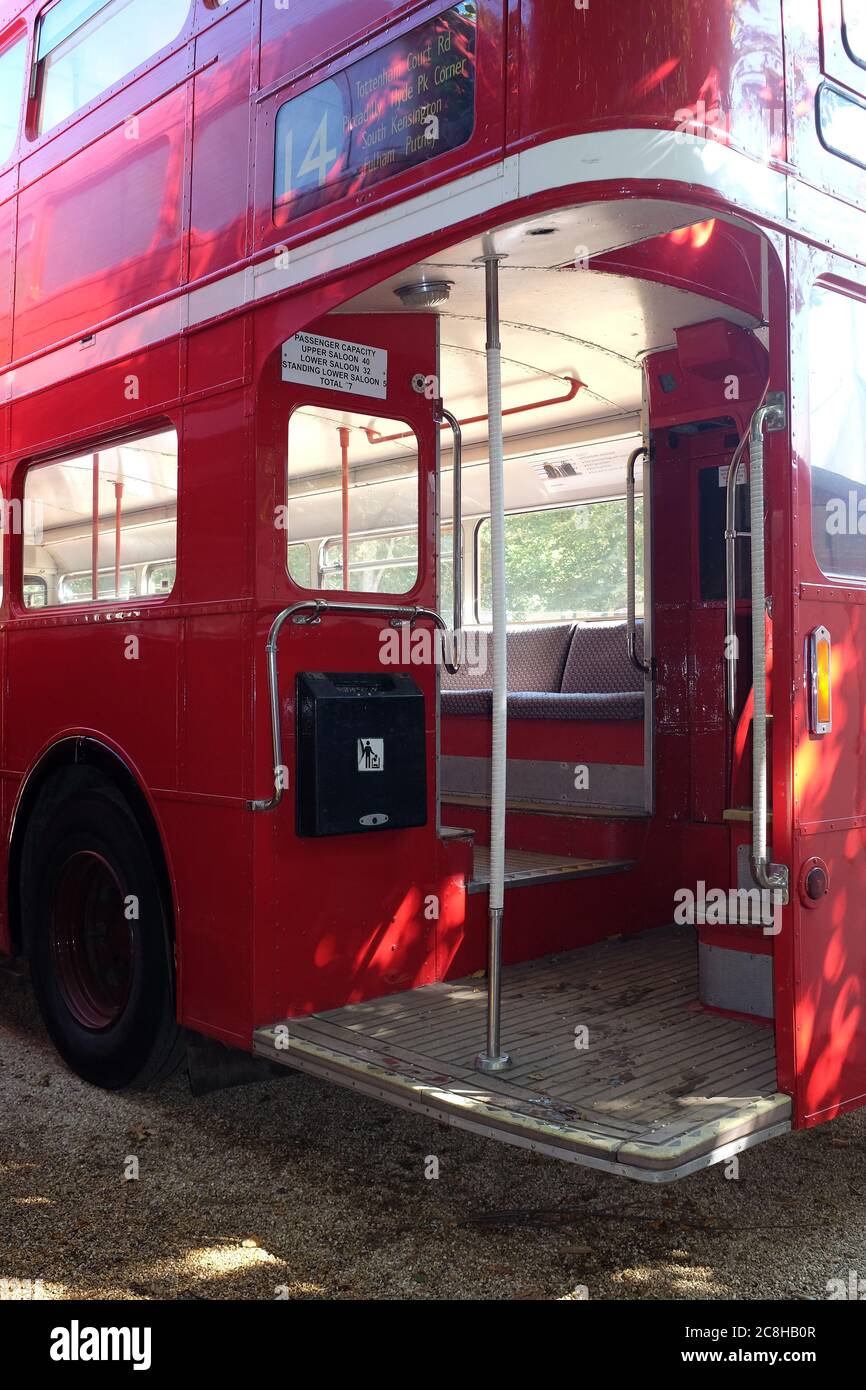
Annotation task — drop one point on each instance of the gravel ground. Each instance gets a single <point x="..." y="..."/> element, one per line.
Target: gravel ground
<point x="306" y="1189"/>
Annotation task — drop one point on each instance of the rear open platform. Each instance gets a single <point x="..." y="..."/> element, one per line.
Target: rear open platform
<point x="662" y="1089"/>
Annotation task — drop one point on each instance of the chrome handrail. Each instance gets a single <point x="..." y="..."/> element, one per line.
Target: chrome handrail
<point x="771" y="416"/>
<point x="640" y="664"/>
<point x="443" y="416"/>
<point x="732" y="535"/>
<point x="315" y="608"/>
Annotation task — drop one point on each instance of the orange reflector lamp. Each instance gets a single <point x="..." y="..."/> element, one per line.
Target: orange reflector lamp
<point x="820" y="674"/>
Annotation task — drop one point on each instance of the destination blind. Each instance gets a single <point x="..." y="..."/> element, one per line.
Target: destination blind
<point x="391" y="110"/>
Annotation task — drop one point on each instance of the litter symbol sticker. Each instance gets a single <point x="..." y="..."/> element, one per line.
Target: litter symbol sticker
<point x="335" y="365"/>
<point x="371" y="754"/>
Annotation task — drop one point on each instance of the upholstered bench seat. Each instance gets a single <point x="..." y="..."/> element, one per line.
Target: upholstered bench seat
<point x="563" y="671"/>
<point x="551" y="704"/>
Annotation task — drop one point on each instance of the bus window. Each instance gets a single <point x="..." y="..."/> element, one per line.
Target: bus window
<point x="377" y="459"/>
<point x="35" y="591"/>
<point x="117" y="547"/>
<point x="446" y="573"/>
<point x="381" y="564"/>
<point x="854" y="29"/>
<point x="300" y="564"/>
<point x="562" y="563"/>
<point x="160" y="578"/>
<point x="837" y="428"/>
<point x="842" y="124"/>
<point x="77" y="588"/>
<point x="12" y="60"/>
<point x="85" y="46"/>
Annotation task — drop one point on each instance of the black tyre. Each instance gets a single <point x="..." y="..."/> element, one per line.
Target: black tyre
<point x="96" y="936"/>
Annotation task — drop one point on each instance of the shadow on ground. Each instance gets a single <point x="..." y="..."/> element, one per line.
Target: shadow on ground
<point x="294" y="1188"/>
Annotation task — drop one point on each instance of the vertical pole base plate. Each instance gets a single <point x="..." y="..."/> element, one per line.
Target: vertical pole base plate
<point x="484" y="1062"/>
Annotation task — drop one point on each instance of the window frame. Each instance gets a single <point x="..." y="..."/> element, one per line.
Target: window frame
<point x="93" y="8"/>
<point x="150" y="565"/>
<point x="850" y="48"/>
<point x="31" y="123"/>
<point x="311" y="564"/>
<point x="72" y="450"/>
<point x="356" y="595"/>
<point x="81" y="574"/>
<point x="34" y="579"/>
<point x="17" y="32"/>
<point x="829" y="86"/>
<point x="824" y="282"/>
<point x="384" y="532"/>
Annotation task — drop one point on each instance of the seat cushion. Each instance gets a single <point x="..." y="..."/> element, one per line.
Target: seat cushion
<point x="467" y="702"/>
<point x="475" y="670"/>
<point x="598" y="660"/>
<point x="536" y="658"/>
<point x="547" y="704"/>
<point x="617" y="704"/>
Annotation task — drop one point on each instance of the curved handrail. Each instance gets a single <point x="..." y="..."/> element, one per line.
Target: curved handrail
<point x="316" y="607"/>
<point x="771" y="416"/>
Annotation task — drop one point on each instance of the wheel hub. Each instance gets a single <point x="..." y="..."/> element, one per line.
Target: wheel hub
<point x="92" y="940"/>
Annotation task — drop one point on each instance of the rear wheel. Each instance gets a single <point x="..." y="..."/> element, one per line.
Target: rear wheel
<point x="99" y="951"/>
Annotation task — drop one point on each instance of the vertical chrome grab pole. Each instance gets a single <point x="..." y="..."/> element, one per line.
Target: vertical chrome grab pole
<point x="443" y="416"/>
<point x="732" y="535"/>
<point x="767" y="875"/>
<point x="493" y="1059"/>
<point x="645" y="667"/>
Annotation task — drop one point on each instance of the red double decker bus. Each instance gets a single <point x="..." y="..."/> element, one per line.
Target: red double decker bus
<point x="433" y="482"/>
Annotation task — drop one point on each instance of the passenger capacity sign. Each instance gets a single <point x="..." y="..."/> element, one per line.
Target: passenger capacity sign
<point x="386" y="113"/>
<point x="333" y="365"/>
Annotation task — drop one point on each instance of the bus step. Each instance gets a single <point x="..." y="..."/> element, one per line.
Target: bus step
<point x="524" y="868"/>
<point x="456" y="832"/>
<point x="664" y="1089"/>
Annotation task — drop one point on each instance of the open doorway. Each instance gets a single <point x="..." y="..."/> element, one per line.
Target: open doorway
<point x="636" y="351"/>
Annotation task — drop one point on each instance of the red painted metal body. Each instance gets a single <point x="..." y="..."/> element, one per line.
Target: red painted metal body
<point x="138" y="240"/>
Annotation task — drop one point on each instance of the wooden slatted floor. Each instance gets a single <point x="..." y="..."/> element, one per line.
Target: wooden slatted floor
<point x="661" y="1088"/>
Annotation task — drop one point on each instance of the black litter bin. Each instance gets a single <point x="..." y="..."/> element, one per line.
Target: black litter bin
<point x="361" y="755"/>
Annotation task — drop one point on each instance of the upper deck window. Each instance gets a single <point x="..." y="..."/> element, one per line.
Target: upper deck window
<point x="12" y="60"/>
<point x="842" y="124"/>
<point x="837" y="431"/>
<point x="85" y="46"/>
<point x="854" y="29"/>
